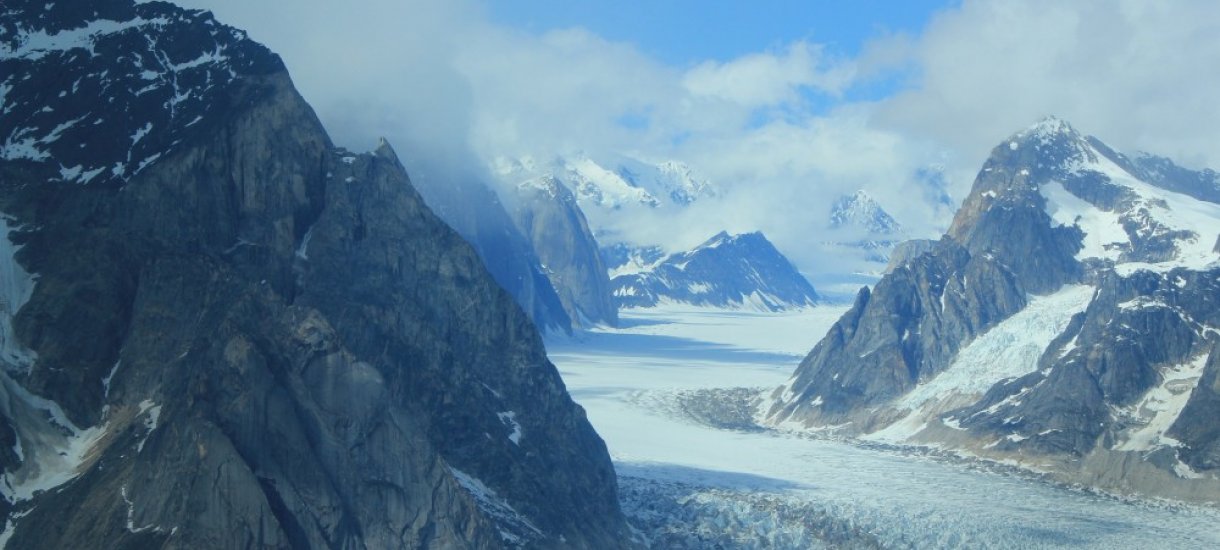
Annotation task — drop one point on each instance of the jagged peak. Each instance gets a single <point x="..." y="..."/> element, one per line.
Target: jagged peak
<point x="1050" y="126"/>
<point x="1048" y="130"/>
<point x="717" y="239"/>
<point x="861" y="210"/>
<point x="724" y="237"/>
<point x="385" y="150"/>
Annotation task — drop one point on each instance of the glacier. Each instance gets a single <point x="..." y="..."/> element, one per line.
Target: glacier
<point x="688" y="482"/>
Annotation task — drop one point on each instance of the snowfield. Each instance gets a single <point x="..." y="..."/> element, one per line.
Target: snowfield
<point x="672" y="394"/>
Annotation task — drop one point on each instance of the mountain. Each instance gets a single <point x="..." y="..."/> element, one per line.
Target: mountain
<point x="732" y="271"/>
<point x="859" y="226"/>
<point x="547" y="214"/>
<point x="221" y="331"/>
<point x="624" y="259"/>
<point x="860" y="210"/>
<point x="1068" y="322"/>
<point x="615" y="181"/>
<point x="476" y="212"/>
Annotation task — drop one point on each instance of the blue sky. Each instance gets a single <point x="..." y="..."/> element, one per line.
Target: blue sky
<point x="685" y="32"/>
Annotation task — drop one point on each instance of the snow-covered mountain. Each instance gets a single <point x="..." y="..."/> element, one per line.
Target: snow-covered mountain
<point x="730" y="271"/>
<point x="1068" y="321"/>
<point x="860" y="210"/>
<point x="616" y="181"/>
<point x="861" y="228"/>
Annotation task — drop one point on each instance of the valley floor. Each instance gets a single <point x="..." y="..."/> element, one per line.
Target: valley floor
<point x="670" y="392"/>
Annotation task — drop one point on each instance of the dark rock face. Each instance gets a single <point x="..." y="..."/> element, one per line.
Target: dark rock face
<point x="725" y="271"/>
<point x="1196" y="426"/>
<point x="474" y="210"/>
<point x="905" y="252"/>
<point x="547" y="214"/>
<point x="1005" y="215"/>
<point x="1111" y="357"/>
<point x="258" y="340"/>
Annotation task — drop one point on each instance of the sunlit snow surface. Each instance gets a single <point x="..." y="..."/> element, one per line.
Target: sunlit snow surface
<point x="754" y="488"/>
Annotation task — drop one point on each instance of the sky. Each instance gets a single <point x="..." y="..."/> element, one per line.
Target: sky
<point x="784" y="105"/>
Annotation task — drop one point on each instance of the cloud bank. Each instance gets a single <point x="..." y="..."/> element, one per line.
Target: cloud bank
<point x="783" y="130"/>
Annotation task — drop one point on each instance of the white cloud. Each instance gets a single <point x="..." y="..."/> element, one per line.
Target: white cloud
<point x="768" y="79"/>
<point x="446" y="85"/>
<point x="1140" y="75"/>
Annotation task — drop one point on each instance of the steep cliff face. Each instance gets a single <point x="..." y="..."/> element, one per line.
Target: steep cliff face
<point x="476" y="212"/>
<point x="547" y="214"/>
<point x="1065" y="321"/>
<point x="253" y="338"/>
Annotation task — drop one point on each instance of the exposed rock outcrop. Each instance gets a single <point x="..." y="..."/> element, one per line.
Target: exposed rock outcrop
<point x="547" y="214"/>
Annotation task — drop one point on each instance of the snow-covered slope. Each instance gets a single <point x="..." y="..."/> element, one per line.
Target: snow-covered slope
<point x="1127" y="221"/>
<point x="731" y="271"/>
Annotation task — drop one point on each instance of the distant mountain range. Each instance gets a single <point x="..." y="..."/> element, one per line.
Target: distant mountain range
<point x="1069" y="321"/>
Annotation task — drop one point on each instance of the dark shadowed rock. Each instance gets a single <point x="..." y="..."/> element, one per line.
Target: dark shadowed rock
<point x="905" y="252"/>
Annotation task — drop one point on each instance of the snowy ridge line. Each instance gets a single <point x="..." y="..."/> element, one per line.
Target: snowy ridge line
<point x="34" y="44"/>
<point x="1146" y="211"/>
